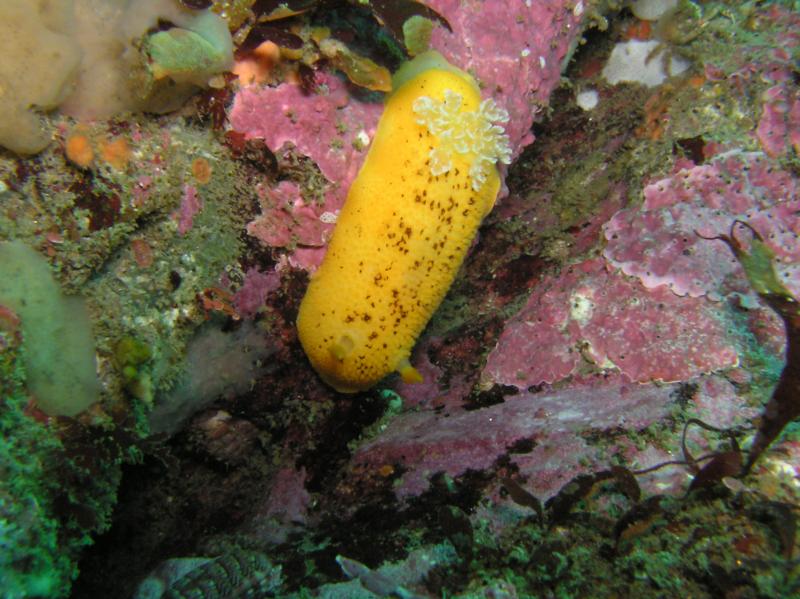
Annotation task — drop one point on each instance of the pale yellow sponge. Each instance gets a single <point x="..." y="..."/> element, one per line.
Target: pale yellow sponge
<point x="428" y="180"/>
<point x="38" y="66"/>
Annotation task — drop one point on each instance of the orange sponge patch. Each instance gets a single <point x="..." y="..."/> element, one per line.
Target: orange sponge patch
<point x="79" y="150"/>
<point x="116" y="152"/>
<point x="201" y="170"/>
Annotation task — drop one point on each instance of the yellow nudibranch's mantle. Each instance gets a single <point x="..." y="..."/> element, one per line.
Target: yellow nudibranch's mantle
<point x="427" y="181"/>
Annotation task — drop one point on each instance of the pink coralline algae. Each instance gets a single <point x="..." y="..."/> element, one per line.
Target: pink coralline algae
<point x="329" y="127"/>
<point x="324" y="125"/>
<point x="285" y="506"/>
<point x="191" y="204"/>
<point x="421" y="444"/>
<point x="666" y="241"/>
<point x="250" y="297"/>
<point x="589" y="316"/>
<point x="716" y="403"/>
<point x="515" y="49"/>
<point x="555" y="425"/>
<point x="527" y="43"/>
<point x="286" y="220"/>
<point x="779" y="127"/>
<point x="288" y="499"/>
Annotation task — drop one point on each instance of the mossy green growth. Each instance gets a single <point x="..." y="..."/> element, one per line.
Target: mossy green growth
<point x="417" y="34"/>
<point x="131" y="357"/>
<point x="59" y="346"/>
<point x="32" y="561"/>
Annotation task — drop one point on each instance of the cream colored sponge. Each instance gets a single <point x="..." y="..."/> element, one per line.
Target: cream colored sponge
<point x="94" y="59"/>
<point x="38" y="66"/>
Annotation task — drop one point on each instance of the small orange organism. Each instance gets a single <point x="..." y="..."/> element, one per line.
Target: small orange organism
<point x="201" y="170"/>
<point x="79" y="150"/>
<point x="214" y="299"/>
<point x="386" y="470"/>
<point x="142" y="253"/>
<point x="116" y="152"/>
<point x="639" y="30"/>
<point x="258" y="66"/>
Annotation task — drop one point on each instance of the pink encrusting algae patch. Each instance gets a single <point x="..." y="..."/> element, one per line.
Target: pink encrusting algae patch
<point x="591" y="316"/>
<point x="667" y="240"/>
<point x="191" y="205"/>
<point x="779" y="126"/>
<point x="328" y="126"/>
<point x="528" y="43"/>
<point x="287" y="220"/>
<point x="455" y="441"/>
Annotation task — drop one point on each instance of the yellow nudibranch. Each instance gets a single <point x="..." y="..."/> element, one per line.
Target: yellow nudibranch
<point x="410" y="216"/>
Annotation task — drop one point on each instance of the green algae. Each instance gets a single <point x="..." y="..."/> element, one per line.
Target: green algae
<point x="689" y="547"/>
<point x="60" y="359"/>
<point x="194" y="54"/>
<point x="32" y="563"/>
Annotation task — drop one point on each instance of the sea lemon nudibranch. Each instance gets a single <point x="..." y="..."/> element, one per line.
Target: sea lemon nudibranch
<point x="410" y="216"/>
